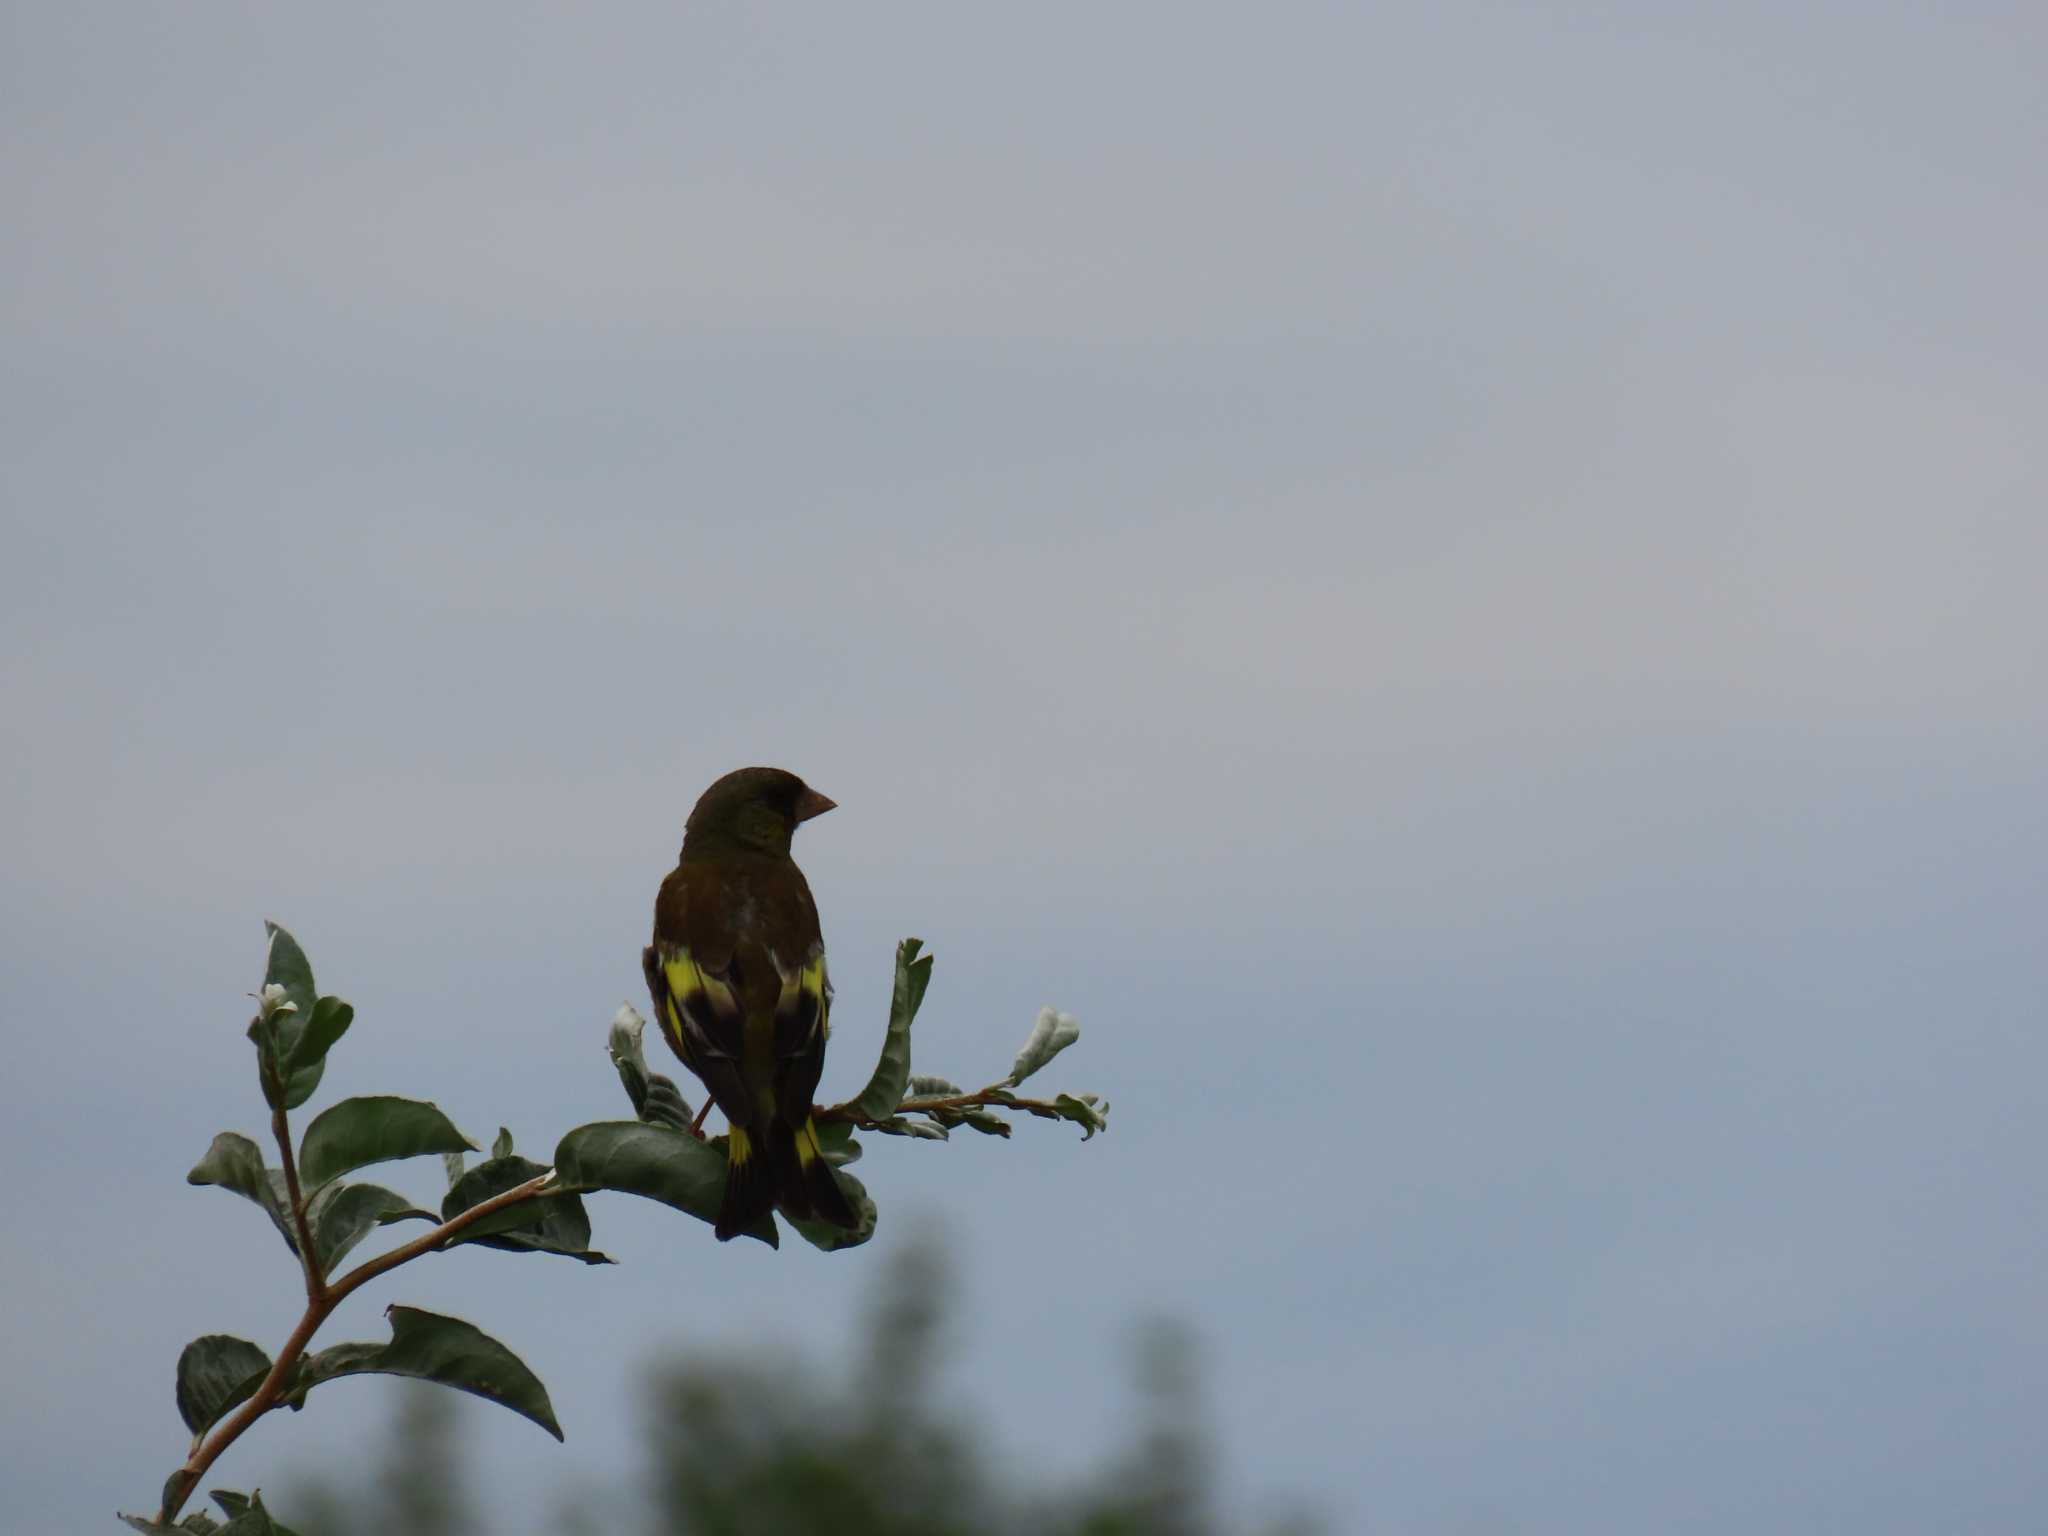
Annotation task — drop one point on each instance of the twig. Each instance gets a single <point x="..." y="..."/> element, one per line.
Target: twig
<point x="264" y="1030"/>
<point x="319" y="1306"/>
<point x="996" y="1097"/>
<point x="316" y="1283"/>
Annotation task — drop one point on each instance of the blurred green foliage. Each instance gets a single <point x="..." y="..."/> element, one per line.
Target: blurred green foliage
<point x="755" y="1441"/>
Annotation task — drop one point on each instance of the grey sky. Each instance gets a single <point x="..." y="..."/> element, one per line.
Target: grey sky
<point x="1462" y="583"/>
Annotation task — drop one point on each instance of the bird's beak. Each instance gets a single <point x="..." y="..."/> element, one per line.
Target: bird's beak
<point x="810" y="803"/>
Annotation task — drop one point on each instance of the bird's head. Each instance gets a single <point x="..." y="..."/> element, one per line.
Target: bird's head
<point x="753" y="808"/>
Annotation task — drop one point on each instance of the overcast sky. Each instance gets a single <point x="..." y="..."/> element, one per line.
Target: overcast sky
<point x="1463" y="583"/>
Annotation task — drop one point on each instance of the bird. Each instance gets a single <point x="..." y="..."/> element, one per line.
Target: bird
<point x="737" y="975"/>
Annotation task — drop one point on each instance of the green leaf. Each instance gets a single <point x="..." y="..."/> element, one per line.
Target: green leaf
<point x="551" y="1223"/>
<point x="298" y="1088"/>
<point x="822" y="1234"/>
<point x="892" y="1073"/>
<point x="443" y="1349"/>
<point x="1086" y="1111"/>
<point x="146" y="1523"/>
<point x="330" y="1021"/>
<point x="655" y="1098"/>
<point x="975" y="1119"/>
<point x="199" y="1523"/>
<point x="217" y="1373"/>
<point x="376" y="1128"/>
<point x="247" y="1516"/>
<point x="176" y="1487"/>
<point x="502" y="1147"/>
<point x="1023" y="1106"/>
<point x="921" y="1130"/>
<point x="665" y="1105"/>
<point x="235" y="1162"/>
<point x="452" y="1162"/>
<point x="835" y="1137"/>
<point x="628" y="1055"/>
<point x="925" y="1087"/>
<point x="288" y="967"/>
<point x="238" y="1506"/>
<point x="1052" y="1033"/>
<point x="342" y="1215"/>
<point x="653" y="1161"/>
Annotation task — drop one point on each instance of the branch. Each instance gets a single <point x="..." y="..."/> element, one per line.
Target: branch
<point x="318" y="1308"/>
<point x="996" y="1096"/>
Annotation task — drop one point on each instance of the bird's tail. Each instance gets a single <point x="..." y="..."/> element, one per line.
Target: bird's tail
<point x="804" y="1183"/>
<point x="780" y="1167"/>
<point x="749" y="1185"/>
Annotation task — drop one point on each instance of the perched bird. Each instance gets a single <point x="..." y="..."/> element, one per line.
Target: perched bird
<point x="737" y="974"/>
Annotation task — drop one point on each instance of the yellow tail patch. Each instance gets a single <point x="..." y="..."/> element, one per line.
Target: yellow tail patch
<point x="808" y="1148"/>
<point x="738" y="1148"/>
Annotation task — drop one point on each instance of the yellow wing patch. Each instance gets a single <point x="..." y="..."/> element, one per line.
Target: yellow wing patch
<point x="810" y="981"/>
<point x="687" y="982"/>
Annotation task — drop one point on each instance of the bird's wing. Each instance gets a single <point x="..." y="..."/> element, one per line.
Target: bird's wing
<point x="802" y="1013"/>
<point x="698" y="997"/>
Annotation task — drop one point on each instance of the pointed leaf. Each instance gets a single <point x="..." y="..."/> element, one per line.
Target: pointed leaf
<point x="892" y="1072"/>
<point x="246" y="1515"/>
<point x="921" y="1130"/>
<point x="822" y="1234"/>
<point x="1053" y="1033"/>
<point x="452" y="1162"/>
<point x="330" y="1021"/>
<point x="502" y="1146"/>
<point x="551" y="1223"/>
<point x="925" y="1087"/>
<point x="235" y="1162"/>
<point x="975" y="1119"/>
<point x="238" y="1506"/>
<point x="665" y="1104"/>
<point x="377" y="1128"/>
<point x="444" y="1349"/>
<point x="671" y="1166"/>
<point x="176" y="1487"/>
<point x="628" y="1054"/>
<point x="655" y="1098"/>
<point x="835" y="1137"/>
<point x="298" y="1088"/>
<point x="198" y="1523"/>
<point x="342" y="1215"/>
<point x="287" y="967"/>
<point x="1085" y="1110"/>
<point x="215" y="1374"/>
